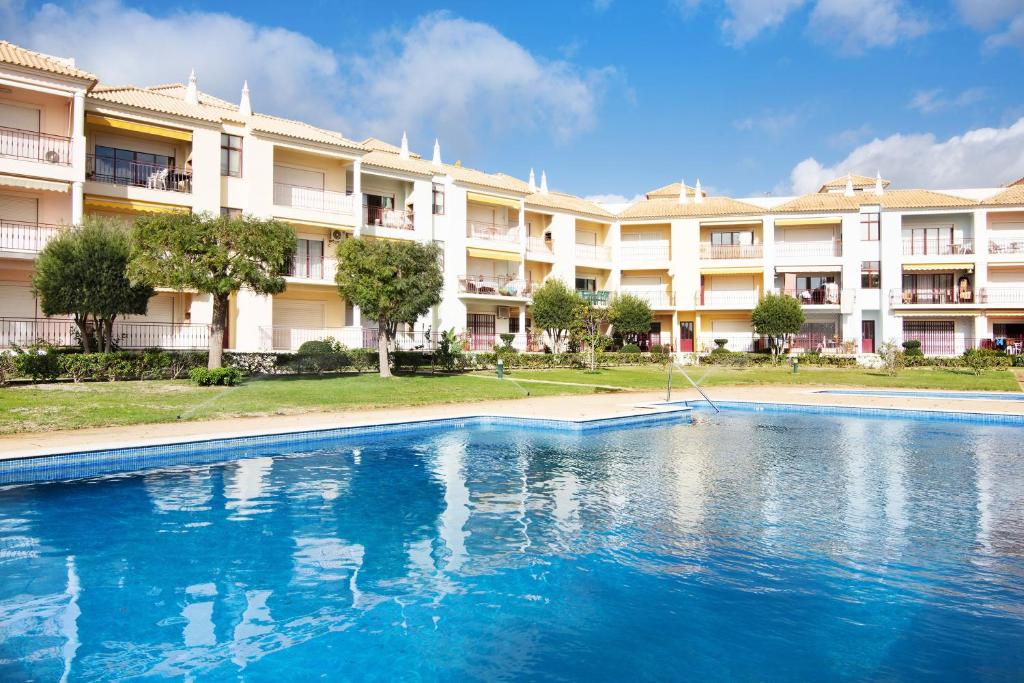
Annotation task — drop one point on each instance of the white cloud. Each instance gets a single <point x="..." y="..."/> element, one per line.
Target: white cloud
<point x="613" y="198"/>
<point x="852" y="26"/>
<point x="1013" y="36"/>
<point x="601" y="5"/>
<point x="985" y="15"/>
<point x="979" y="157"/>
<point x="444" y="76"/>
<point x="749" y="18"/>
<point x="851" y="136"/>
<point x="929" y="101"/>
<point x="769" y="122"/>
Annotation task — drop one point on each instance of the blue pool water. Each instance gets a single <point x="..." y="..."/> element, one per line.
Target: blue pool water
<point x="969" y="395"/>
<point x="756" y="546"/>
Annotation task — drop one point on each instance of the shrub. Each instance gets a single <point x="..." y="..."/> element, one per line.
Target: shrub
<point x="980" y="360"/>
<point x="507" y="339"/>
<point x="1018" y="361"/>
<point x="893" y="358"/>
<point x="658" y="348"/>
<point x="40" y="361"/>
<point x="720" y="343"/>
<point x="316" y="346"/>
<point x="8" y="367"/>
<point x="449" y="355"/>
<point x="912" y="348"/>
<point x="630" y="348"/>
<point x="205" y="377"/>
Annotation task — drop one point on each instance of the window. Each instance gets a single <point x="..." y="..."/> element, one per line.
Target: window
<point x="127" y="167"/>
<point x="309" y="259"/>
<point x="869" y="227"/>
<point x="228" y="212"/>
<point x="732" y="238"/>
<point x="586" y="284"/>
<point x="870" y="277"/>
<point x="231" y="155"/>
<point x="930" y="241"/>
<point x="438" y="200"/>
<point x="513" y="324"/>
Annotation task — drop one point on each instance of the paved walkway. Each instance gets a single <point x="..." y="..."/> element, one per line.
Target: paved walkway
<point x="554" y="407"/>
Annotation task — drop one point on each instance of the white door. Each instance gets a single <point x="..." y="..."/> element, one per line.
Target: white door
<point x="296" y="322"/>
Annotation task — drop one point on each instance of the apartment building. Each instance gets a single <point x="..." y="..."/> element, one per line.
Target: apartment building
<point x="869" y="262"/>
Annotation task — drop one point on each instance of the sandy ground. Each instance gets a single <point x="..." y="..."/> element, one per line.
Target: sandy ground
<point x="557" y="407"/>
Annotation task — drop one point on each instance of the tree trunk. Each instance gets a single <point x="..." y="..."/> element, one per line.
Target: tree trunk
<point x="383" y="342"/>
<point x="83" y="333"/>
<point x="220" y="316"/>
<point x="108" y="334"/>
<point x="97" y="326"/>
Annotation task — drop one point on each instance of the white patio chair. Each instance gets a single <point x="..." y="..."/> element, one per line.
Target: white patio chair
<point x="158" y="180"/>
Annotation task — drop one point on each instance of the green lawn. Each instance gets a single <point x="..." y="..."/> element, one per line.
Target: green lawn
<point x="912" y="378"/>
<point x="71" y="406"/>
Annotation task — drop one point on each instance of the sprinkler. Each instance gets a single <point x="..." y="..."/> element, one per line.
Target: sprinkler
<point x="795" y="364"/>
<point x="499" y="369"/>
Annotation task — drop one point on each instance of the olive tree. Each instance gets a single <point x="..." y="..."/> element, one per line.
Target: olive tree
<point x="392" y="282"/>
<point x="215" y="255"/>
<point x="553" y="308"/>
<point x="629" y="316"/>
<point x="586" y="329"/>
<point x="775" y="317"/>
<point x="83" y="272"/>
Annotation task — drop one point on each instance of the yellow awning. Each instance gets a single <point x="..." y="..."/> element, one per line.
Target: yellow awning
<point x="1006" y="264"/>
<point x="494" y="254"/>
<point x="33" y="184"/>
<point x="937" y="266"/>
<point x="136" y="127"/>
<point x="730" y="221"/>
<point x="735" y="270"/>
<point x="831" y="220"/>
<point x="130" y="205"/>
<point x="492" y="199"/>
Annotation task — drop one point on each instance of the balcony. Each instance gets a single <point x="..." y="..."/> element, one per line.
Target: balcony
<point x="398" y="219"/>
<point x="930" y="297"/>
<point x="313" y="199"/>
<point x="938" y="247"/>
<point x="313" y="268"/>
<point x="728" y="299"/>
<point x="644" y="252"/>
<point x="730" y="251"/>
<point x="598" y="298"/>
<point x="138" y="174"/>
<point x="1001" y="296"/>
<point x="28" y="145"/>
<point x="808" y="249"/>
<point x="591" y="252"/>
<point x="540" y="246"/>
<point x="26" y="237"/>
<point x="284" y="338"/>
<point x="127" y="334"/>
<point x="655" y="298"/>
<point x="495" y="285"/>
<point x="820" y="296"/>
<point x="495" y="232"/>
<point x="1006" y="245"/>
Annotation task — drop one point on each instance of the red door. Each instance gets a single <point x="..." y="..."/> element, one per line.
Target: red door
<point x="686" y="337"/>
<point x="867" y="336"/>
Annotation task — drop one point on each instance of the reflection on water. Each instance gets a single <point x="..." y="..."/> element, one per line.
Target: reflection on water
<point x="764" y="546"/>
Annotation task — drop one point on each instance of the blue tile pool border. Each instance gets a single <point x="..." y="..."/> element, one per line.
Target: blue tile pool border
<point x="79" y="464"/>
<point x="924" y="393"/>
<point x="862" y="411"/>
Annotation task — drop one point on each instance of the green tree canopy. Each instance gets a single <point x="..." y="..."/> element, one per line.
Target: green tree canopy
<point x="776" y="316"/>
<point x="586" y="329"/>
<point x="629" y="315"/>
<point x="216" y="255"/>
<point x="83" y="273"/>
<point x="553" y="308"/>
<point x="392" y="282"/>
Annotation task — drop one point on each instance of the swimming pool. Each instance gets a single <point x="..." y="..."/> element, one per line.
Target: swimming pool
<point x="968" y="395"/>
<point x="754" y="545"/>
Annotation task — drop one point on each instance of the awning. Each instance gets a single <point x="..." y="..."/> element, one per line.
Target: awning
<point x="1006" y="264"/>
<point x="937" y="266"/>
<point x="33" y="184"/>
<point x="494" y="254"/>
<point x="1006" y="314"/>
<point x="809" y="269"/>
<point x="831" y="220"/>
<point x="136" y="127"/>
<point x="492" y="199"/>
<point x="130" y="205"/>
<point x="735" y="270"/>
<point x="733" y="221"/>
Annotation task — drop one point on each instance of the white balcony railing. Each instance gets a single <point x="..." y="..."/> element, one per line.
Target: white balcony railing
<point x="539" y="245"/>
<point x="938" y="247"/>
<point x="1002" y="296"/>
<point x="639" y="251"/>
<point x="399" y="219"/>
<point x="316" y="268"/>
<point x="808" y="249"/>
<point x="1006" y="245"/>
<point x="730" y="251"/>
<point x="656" y="298"/>
<point x="591" y="252"/>
<point x="498" y="232"/>
<point x="126" y="334"/>
<point x="297" y="197"/>
<point x="728" y="299"/>
<point x="26" y="237"/>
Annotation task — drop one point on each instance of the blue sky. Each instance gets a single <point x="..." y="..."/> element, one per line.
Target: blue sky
<point x="610" y="97"/>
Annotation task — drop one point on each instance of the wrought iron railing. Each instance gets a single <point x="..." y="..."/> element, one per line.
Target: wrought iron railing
<point x="28" y="145"/>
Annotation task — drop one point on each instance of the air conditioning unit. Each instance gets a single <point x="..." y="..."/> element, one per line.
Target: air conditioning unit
<point x="503" y="312"/>
<point x="337" y="235"/>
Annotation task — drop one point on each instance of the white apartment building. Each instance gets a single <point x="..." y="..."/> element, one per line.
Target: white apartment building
<point x="870" y="262"/>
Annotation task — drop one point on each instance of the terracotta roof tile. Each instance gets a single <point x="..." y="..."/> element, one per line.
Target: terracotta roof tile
<point x="19" y="56"/>
<point x="141" y="98"/>
<point x="671" y="208"/>
<point x="567" y="202"/>
<point x="859" y="181"/>
<point x="671" y="191"/>
<point x="1012" y="195"/>
<point x="394" y="162"/>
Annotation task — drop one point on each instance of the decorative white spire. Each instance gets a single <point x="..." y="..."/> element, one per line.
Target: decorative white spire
<point x="682" y="190"/>
<point x="698" y="194"/>
<point x="532" y="182"/>
<point x="404" y="154"/>
<point x="849" y="185"/>
<point x="878" y="183"/>
<point x="543" y="182"/>
<point x="437" y="153"/>
<point x="191" y="92"/>
<point x="244" y="105"/>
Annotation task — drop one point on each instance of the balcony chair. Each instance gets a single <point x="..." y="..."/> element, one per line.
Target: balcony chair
<point x="158" y="180"/>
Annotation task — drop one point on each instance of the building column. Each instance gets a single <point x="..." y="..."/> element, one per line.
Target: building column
<point x="357" y="317"/>
<point x="521" y="338"/>
<point x="522" y="242"/>
<point x="357" y="195"/>
<point x="78" y="157"/>
<point x="77" y="202"/>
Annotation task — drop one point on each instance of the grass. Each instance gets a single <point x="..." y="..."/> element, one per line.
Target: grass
<point x="50" y="407"/>
<point x="956" y="379"/>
